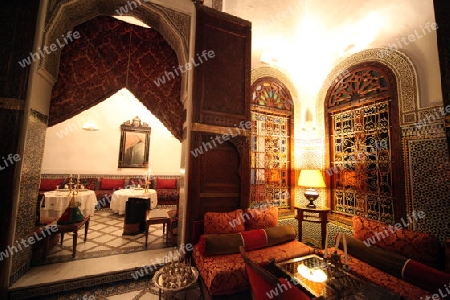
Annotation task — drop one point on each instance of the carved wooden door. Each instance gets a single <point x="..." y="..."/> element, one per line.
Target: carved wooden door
<point x="219" y="159"/>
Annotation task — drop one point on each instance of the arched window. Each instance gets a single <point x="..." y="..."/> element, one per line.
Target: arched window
<point x="366" y="168"/>
<point x="271" y="111"/>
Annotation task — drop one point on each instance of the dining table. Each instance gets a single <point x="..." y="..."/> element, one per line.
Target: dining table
<point x="120" y="197"/>
<point x="55" y="202"/>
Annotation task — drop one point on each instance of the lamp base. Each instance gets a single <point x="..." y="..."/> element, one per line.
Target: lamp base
<point x="311" y="204"/>
<point x="311" y="195"/>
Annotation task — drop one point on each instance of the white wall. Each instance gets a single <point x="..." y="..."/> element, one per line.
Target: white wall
<point x="70" y="149"/>
<point x="306" y="39"/>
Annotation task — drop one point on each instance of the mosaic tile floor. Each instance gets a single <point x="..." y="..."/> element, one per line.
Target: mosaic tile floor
<point x="107" y="255"/>
<point x="104" y="238"/>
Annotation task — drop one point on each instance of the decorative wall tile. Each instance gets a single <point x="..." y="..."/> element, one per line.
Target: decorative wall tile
<point x="29" y="186"/>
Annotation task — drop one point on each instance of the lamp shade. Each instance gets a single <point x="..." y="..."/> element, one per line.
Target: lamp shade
<point x="311" y="179"/>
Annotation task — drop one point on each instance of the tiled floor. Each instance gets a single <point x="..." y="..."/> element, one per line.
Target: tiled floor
<point x="104" y="238"/>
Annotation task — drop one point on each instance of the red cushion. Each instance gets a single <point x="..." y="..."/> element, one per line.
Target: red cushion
<point x="50" y="184"/>
<point x="226" y="222"/>
<point x="112" y="184"/>
<point x="254" y="239"/>
<point x="420" y="246"/>
<point x="260" y="218"/>
<point x="259" y="286"/>
<point x="424" y="276"/>
<point x="229" y="243"/>
<point x="201" y="245"/>
<point x="166" y="183"/>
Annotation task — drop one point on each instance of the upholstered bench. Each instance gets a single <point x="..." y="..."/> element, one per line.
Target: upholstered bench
<point x="217" y="256"/>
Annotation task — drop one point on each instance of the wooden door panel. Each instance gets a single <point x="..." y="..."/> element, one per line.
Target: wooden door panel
<point x="219" y="176"/>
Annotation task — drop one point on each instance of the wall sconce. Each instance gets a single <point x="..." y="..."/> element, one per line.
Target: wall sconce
<point x="311" y="179"/>
<point x="90" y="126"/>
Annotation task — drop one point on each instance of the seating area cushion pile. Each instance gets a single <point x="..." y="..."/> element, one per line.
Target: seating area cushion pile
<point x="167" y="186"/>
<point x="398" y="260"/>
<point x="225" y="274"/>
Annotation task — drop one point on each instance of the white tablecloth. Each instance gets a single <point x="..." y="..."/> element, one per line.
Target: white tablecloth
<point x="120" y="197"/>
<point x="56" y="203"/>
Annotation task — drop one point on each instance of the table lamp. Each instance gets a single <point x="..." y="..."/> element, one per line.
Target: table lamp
<point x="311" y="179"/>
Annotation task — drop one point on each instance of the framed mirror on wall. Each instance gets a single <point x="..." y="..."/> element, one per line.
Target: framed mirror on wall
<point x="134" y="144"/>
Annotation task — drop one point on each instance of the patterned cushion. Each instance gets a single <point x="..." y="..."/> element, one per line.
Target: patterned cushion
<point x="387" y="261"/>
<point x="365" y="271"/>
<point x="231" y="222"/>
<point x="260" y="218"/>
<point x="168" y="197"/>
<point x="412" y="244"/>
<point x="89" y="183"/>
<point x="225" y="274"/>
<point x="138" y="181"/>
<point x="220" y="244"/>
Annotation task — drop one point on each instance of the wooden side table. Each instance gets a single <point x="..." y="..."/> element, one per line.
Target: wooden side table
<point x="322" y="218"/>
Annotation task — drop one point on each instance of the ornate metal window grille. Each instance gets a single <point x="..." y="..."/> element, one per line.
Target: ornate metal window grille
<point x="271" y="144"/>
<point x="361" y="160"/>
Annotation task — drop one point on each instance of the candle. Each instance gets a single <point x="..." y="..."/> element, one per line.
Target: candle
<point x="344" y="241"/>
<point x="337" y="241"/>
<point x="325" y="253"/>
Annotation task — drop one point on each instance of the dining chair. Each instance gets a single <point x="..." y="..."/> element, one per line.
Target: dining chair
<point x="135" y="214"/>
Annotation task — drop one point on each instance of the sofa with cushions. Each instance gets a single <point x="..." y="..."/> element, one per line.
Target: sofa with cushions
<point x="167" y="186"/>
<point x="408" y="263"/>
<point x="217" y="255"/>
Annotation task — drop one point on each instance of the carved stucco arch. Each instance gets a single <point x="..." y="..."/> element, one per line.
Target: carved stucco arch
<point x="271" y="72"/>
<point x="405" y="75"/>
<point x="173" y="25"/>
<point x="407" y="92"/>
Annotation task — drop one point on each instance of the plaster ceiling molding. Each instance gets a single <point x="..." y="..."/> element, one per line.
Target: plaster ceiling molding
<point x="63" y="16"/>
<point x="406" y="81"/>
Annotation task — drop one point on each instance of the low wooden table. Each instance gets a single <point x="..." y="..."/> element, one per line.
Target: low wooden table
<point x="157" y="216"/>
<point x="74" y="227"/>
